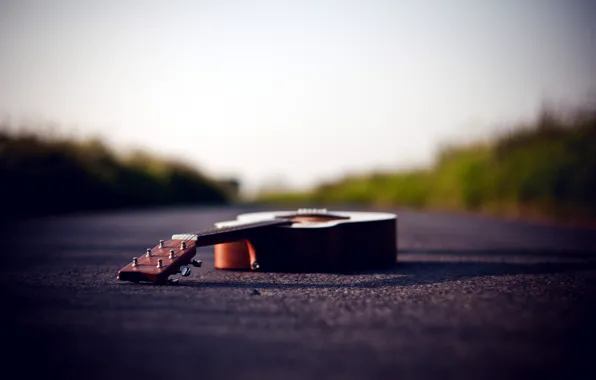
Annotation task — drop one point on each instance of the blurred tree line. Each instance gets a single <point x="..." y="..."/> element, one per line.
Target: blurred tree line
<point x="41" y="176"/>
<point x="544" y="169"/>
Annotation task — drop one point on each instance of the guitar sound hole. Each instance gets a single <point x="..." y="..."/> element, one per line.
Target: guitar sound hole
<point x="312" y="219"/>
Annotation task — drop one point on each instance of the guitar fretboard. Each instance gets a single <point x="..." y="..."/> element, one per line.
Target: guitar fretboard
<point x="224" y="234"/>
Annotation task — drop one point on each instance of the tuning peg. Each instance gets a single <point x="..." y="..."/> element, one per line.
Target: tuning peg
<point x="184" y="271"/>
<point x="148" y="250"/>
<point x="172" y="254"/>
<point x="159" y="263"/>
<point x="135" y="262"/>
<point x="183" y="245"/>
<point x="254" y="265"/>
<point x="161" y="244"/>
<point x="196" y="262"/>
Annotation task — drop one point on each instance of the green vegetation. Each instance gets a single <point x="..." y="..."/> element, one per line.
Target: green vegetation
<point x="546" y="169"/>
<point x="52" y="175"/>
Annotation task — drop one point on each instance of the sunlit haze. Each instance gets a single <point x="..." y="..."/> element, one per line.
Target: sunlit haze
<point x="295" y="92"/>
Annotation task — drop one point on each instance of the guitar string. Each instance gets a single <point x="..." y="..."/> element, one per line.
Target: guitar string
<point x="281" y="220"/>
<point x="264" y="223"/>
<point x="272" y="222"/>
<point x="207" y="232"/>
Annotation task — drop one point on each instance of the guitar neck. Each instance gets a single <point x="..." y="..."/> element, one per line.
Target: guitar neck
<point x="170" y="257"/>
<point x="229" y="234"/>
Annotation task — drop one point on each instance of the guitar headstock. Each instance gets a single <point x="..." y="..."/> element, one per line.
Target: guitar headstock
<point x="158" y="263"/>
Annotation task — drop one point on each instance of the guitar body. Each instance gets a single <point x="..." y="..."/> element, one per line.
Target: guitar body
<point x="309" y="240"/>
<point x="363" y="241"/>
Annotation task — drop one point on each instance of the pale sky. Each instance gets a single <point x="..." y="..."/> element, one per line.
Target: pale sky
<point x="300" y="91"/>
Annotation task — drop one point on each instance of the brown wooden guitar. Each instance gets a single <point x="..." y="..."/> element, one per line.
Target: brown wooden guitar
<point x="309" y="240"/>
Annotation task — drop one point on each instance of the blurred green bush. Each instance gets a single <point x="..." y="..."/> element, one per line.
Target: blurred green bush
<point x="41" y="176"/>
<point x="545" y="169"/>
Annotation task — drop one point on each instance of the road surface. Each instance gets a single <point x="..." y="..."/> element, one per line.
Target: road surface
<point x="470" y="297"/>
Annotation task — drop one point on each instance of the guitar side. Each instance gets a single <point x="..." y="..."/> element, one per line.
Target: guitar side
<point x="345" y="246"/>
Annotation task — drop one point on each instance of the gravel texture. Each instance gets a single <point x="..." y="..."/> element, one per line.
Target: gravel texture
<point x="470" y="297"/>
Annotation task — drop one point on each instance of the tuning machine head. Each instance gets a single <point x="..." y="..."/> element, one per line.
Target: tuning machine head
<point x="196" y="263"/>
<point x="184" y="271"/>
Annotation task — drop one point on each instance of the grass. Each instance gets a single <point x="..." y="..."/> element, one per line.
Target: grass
<point x="42" y="175"/>
<point x="545" y="169"/>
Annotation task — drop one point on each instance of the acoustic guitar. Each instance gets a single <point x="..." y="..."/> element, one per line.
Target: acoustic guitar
<point x="308" y="240"/>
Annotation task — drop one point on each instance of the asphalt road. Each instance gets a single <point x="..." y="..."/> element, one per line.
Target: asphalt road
<point x="469" y="297"/>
